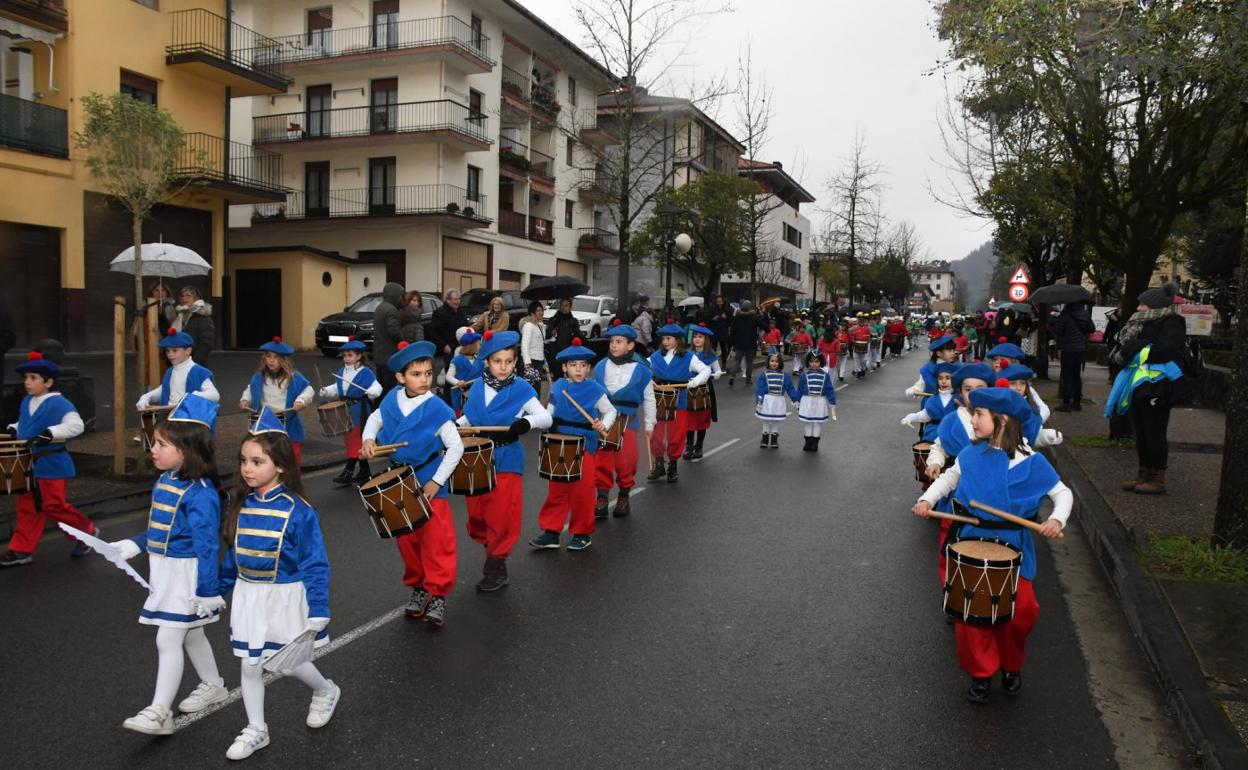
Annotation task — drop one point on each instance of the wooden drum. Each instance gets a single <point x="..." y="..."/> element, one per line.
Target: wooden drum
<point x="665" y="401"/>
<point x="981" y="580"/>
<point x="559" y="457"/>
<point x="861" y="346"/>
<point x="395" y="503"/>
<point x="16" y="461"/>
<point x="921" y="450"/>
<point x="474" y="475"/>
<point x="614" y="440"/>
<point x="699" y="398"/>
<point x="148" y="419"/>
<point x="335" y="417"/>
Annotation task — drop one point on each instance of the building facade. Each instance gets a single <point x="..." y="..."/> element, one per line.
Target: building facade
<point x="783" y="238"/>
<point x="938" y="277"/>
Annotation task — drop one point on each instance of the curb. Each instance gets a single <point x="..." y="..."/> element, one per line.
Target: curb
<point x="1153" y="622"/>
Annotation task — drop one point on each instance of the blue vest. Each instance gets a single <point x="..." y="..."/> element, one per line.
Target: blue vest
<point x="184" y="522"/>
<point x="195" y="379"/>
<point x="52" y="461"/>
<point x="294" y="423"/>
<point x="419" y="429"/>
<point x="629" y="398"/>
<point x="952" y="434"/>
<point x="567" y="419"/>
<point x="278" y="540"/>
<point x="774" y="382"/>
<point x="675" y="373"/>
<point x="988" y="479"/>
<point x="817" y="383"/>
<point x="356" y="393"/>
<point x="464" y="370"/>
<point x="707" y="358"/>
<point x="502" y="410"/>
<point x="927" y="372"/>
<point x="937" y="412"/>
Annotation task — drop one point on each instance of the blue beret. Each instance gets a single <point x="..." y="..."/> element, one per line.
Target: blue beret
<point x="973" y="372"/>
<point x="496" y="341"/>
<point x="1007" y="350"/>
<point x="468" y="338"/>
<point x="700" y="329"/>
<point x="622" y="330"/>
<point x="176" y="340"/>
<point x="672" y="330"/>
<point x="352" y="345"/>
<point x="409" y="352"/>
<point x="1016" y="372"/>
<point x="946" y="367"/>
<point x="35" y="363"/>
<point x="940" y="342"/>
<point x="575" y="352"/>
<point x="278" y="347"/>
<point x="1002" y="401"/>
<point x="267" y="422"/>
<point x="196" y="409"/>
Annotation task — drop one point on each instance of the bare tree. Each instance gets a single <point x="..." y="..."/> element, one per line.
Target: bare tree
<point x="854" y="219"/>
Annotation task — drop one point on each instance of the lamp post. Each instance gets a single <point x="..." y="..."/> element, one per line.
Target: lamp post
<point x="854" y="293"/>
<point x="681" y="242"/>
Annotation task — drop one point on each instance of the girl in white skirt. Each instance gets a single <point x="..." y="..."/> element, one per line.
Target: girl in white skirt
<point x="278" y="558"/>
<point x="816" y="400"/>
<point x="183" y="530"/>
<point x="769" y="398"/>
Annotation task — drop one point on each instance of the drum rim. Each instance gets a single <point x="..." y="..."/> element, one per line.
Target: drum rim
<point x="400" y="473"/>
<point x="477" y="444"/>
<point x="975" y="561"/>
<point x="332" y="404"/>
<point x="566" y="438"/>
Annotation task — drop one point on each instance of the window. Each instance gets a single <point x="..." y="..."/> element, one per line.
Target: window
<point x="385" y="23"/>
<point x="385" y="106"/>
<point x="321" y="29"/>
<point x="477" y="37"/>
<point x="790" y="269"/>
<point x="792" y="235"/>
<point x="319" y="103"/>
<point x="138" y="87"/>
<point x="567" y="213"/>
<point x="475" y="115"/>
<point x="572" y="90"/>
<point x="316" y="189"/>
<point x="474" y="183"/>
<point x="570" y="146"/>
<point x="381" y="173"/>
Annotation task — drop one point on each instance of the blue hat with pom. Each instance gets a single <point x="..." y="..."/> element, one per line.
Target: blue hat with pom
<point x="196" y="409"/>
<point x="352" y="344"/>
<point x="940" y="342"/>
<point x="492" y="342"/>
<point x="700" y="329"/>
<point x="671" y="330"/>
<point x="267" y="422"/>
<point x="468" y="337"/>
<point x="277" y="346"/>
<point x="176" y="339"/>
<point x="575" y="352"/>
<point x="621" y="329"/>
<point x="35" y="363"/>
<point x="409" y="352"/>
<point x="981" y="372"/>
<point x="1016" y="372"/>
<point x="946" y="367"/>
<point x="1001" y="400"/>
<point x="1007" y="350"/>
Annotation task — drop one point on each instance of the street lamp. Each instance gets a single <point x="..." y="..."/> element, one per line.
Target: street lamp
<point x="857" y="291"/>
<point x="681" y="242"/>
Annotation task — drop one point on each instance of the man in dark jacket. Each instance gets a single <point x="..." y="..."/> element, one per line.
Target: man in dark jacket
<point x="743" y="329"/>
<point x="721" y="313"/>
<point x="1070" y="330"/>
<point x="561" y="327"/>
<point x="441" y="330"/>
<point x="387" y="331"/>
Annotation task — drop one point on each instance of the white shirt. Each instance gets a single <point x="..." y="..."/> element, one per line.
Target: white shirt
<point x="177" y="387"/>
<point x="937" y="456"/>
<point x="1040" y="405"/>
<point x="944" y="486"/>
<point x="617" y="376"/>
<point x="451" y="379"/>
<point x="446" y="431"/>
<point x="348" y="376"/>
<point x="532" y="347"/>
<point x="701" y="372"/>
<point x="533" y="411"/>
<point x="274" y="395"/>
<point x="921" y="416"/>
<point x="603" y="405"/>
<point x="69" y="426"/>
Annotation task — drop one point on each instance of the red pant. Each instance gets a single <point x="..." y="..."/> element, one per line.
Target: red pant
<point x="698" y="420"/>
<point x="298" y="445"/>
<point x="494" y="518"/>
<point x="429" y="552"/>
<point x="669" y="437"/>
<point x="354" y="440"/>
<point x="31" y="521"/>
<point x="613" y="465"/>
<point x="574" y="497"/>
<point x="985" y="650"/>
<point x="940" y="550"/>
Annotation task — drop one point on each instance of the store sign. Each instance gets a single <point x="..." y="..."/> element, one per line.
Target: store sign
<point x="1199" y="318"/>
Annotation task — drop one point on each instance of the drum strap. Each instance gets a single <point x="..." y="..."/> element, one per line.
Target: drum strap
<point x="664" y="381"/>
<point x="504" y="440"/>
<point x="571" y="424"/>
<point x="415" y="468"/>
<point x="958" y="508"/>
<point x="622" y="402"/>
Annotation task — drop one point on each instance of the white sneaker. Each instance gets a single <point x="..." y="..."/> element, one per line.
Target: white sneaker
<point x="202" y="697"/>
<point x="250" y="740"/>
<point x="323" y="705"/>
<point x="153" y="720"/>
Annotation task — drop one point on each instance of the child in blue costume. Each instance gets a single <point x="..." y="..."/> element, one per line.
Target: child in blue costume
<point x="770" y="404"/>
<point x="698" y="422"/>
<point x="628" y="382"/>
<point x="816" y="399"/>
<point x="355" y="384"/>
<point x="277" y="567"/>
<point x="672" y="364"/>
<point x="181" y="540"/>
<point x="1005" y="354"/>
<point x="1000" y="471"/>
<point x="1019" y="379"/>
<point x="943" y="351"/>
<point x="935" y="406"/>
<point x="466" y="367"/>
<point x="279" y="388"/>
<point x="183" y="375"/>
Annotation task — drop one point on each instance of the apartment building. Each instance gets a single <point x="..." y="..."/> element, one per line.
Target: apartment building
<point x="58" y="233"/>
<point x="784" y="238"/>
<point x="435" y="144"/>
<point x="938" y="276"/>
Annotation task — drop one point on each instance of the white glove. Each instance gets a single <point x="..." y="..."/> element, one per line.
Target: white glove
<point x="142" y="402"/>
<point x="207" y="607"/>
<point x="316" y="625"/>
<point x="833" y="414"/>
<point x="906" y="423"/>
<point x="127" y="548"/>
<point x="910" y="391"/>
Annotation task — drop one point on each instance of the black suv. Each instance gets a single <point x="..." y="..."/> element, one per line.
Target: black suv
<point x="474" y="302"/>
<point x="357" y="321"/>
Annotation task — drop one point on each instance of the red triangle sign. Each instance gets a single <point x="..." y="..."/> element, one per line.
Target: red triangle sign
<point x="1020" y="276"/>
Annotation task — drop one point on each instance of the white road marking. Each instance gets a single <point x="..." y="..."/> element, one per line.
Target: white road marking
<point x="721" y="447"/>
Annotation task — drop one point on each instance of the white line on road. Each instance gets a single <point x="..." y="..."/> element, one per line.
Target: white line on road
<point x="720" y="448"/>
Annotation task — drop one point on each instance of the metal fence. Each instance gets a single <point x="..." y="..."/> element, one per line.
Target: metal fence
<point x="405" y="117"/>
<point x="384" y="35"/>
<point x="377" y="201"/>
<point x="200" y="31"/>
<point x="596" y="237"/>
<point x="213" y="157"/>
<point x="27" y="125"/>
<point x="516" y="83"/>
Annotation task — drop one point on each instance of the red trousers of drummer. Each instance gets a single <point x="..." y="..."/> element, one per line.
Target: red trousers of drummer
<point x="700" y="420"/>
<point x="985" y="650"/>
<point x="298" y="446"/>
<point x="494" y="518"/>
<point x="31" y="521"/>
<point x="940" y="551"/>
<point x="353" y="441"/>
<point x="611" y="466"/>
<point x="669" y="437"/>
<point x="429" y="552"/>
<point x="571" y="497"/>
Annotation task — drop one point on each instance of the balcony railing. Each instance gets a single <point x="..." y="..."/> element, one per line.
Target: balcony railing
<point x="49" y="13"/>
<point x="34" y="127"/>
<point x="541" y="164"/>
<point x="541" y="230"/>
<point x="320" y="44"/>
<point x="516" y="83"/>
<point x="596" y="238"/>
<point x="426" y="199"/>
<point x="211" y="157"/>
<point x="403" y="118"/>
<point x="596" y="183"/>
<point x="198" y="32"/>
<point x="512" y="223"/>
<point x="592" y="130"/>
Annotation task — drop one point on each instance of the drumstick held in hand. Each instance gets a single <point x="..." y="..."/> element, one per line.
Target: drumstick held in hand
<point x="483" y="428"/>
<point x="584" y="413"/>
<point x="953" y="517"/>
<point x="1011" y="517"/>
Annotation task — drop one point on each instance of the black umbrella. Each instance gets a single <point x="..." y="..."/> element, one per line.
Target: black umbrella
<point x="1018" y="307"/>
<point x="1061" y="294"/>
<point x="554" y="287"/>
<point x="859" y="307"/>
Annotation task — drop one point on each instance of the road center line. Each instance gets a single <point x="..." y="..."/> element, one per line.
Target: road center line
<point x="721" y="447"/>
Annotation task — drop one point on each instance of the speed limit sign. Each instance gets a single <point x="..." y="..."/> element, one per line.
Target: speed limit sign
<point x="1019" y="292"/>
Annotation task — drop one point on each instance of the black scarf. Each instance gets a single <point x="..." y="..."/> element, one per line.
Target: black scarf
<point x="496" y="383"/>
<point x="627" y="358"/>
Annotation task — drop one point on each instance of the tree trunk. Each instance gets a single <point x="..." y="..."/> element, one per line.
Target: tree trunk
<point x="1136" y="282"/>
<point x="141" y="343"/>
<point x="1230" y="523"/>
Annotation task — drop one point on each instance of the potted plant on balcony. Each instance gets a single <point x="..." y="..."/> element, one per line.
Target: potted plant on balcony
<point x="452" y="208"/>
<point x="510" y="157"/>
<point x="294" y="131"/>
<point x="513" y="89"/>
<point x="589" y="239"/>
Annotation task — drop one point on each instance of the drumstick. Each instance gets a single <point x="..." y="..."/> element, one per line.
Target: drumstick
<point x="1011" y="517"/>
<point x="168" y="408"/>
<point x="257" y="411"/>
<point x="484" y="428"/>
<point x="584" y="413"/>
<point x="953" y="517"/>
<point x="389" y="447"/>
<point x="671" y="386"/>
<point x="350" y="382"/>
<point x="922" y="394"/>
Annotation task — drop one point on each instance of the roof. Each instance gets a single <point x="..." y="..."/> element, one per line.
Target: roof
<point x="919" y="267"/>
<point x="648" y="102"/>
<point x="549" y="30"/>
<point x="785" y="186"/>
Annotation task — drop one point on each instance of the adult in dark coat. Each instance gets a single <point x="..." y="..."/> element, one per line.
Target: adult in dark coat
<point x="743" y="330"/>
<point x="1070" y="330"/>
<point x="561" y="327"/>
<point x="441" y="330"/>
<point x="387" y="332"/>
<point x="195" y="318"/>
<point x="720" y="315"/>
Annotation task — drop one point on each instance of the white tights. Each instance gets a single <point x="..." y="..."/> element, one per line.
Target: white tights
<point x="771" y="426"/>
<point x="253" y="687"/>
<point x="170" y="642"/>
<point x="811" y="429"/>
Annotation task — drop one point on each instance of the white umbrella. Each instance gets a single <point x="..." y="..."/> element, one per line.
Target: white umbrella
<point x="689" y="302"/>
<point x="162" y="260"/>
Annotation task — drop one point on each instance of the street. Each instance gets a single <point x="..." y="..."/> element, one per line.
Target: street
<point x="773" y="608"/>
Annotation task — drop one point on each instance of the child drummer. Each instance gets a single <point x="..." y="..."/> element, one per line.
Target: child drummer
<point x="183" y="375"/>
<point x="355" y="384"/>
<point x="413" y="414"/>
<point x="501" y="399"/>
<point x="572" y="502"/>
<point x="631" y="391"/>
<point x="1001" y="471"/>
<point x="672" y="364"/>
<point x="281" y="389"/>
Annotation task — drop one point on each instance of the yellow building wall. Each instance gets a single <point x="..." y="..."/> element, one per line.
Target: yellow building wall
<point x="305" y="299"/>
<point x="320" y="300"/>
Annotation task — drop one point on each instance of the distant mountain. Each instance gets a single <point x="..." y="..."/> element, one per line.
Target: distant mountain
<point x="974" y="276"/>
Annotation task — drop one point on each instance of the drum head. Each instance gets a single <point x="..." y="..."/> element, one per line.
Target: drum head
<point x="332" y="405"/>
<point x="385" y="479"/>
<point x="561" y="438"/>
<point x="922" y="446"/>
<point x="476" y="444"/>
<point x="983" y="550"/>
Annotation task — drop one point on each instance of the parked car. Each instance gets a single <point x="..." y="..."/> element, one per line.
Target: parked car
<point x="474" y="302"/>
<point x="357" y="321"/>
<point x="592" y="313"/>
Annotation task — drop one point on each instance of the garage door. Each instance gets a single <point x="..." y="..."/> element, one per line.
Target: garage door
<point x="465" y="265"/>
<point x="571" y="269"/>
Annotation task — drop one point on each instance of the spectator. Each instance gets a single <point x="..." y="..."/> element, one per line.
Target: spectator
<point x="446" y="319"/>
<point x="412" y="317"/>
<point x="533" y="346"/>
<point x="1070" y="330"/>
<point x="562" y="327"/>
<point x="494" y="319"/>
<point x="720" y="314"/>
<point x="194" y="316"/>
<point x="743" y="329"/>
<point x="643" y="322"/>
<point x="387" y="332"/>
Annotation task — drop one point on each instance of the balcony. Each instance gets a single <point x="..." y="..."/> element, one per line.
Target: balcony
<point x="240" y="172"/>
<point x="435" y="121"/>
<point x="227" y="53"/>
<point x="593" y="132"/>
<point x="445" y="38"/>
<point x="516" y="88"/>
<point x="33" y="127"/>
<point x="519" y="162"/>
<point x="45" y="13"/>
<point x="433" y="203"/>
<point x="596" y="243"/>
<point x="595" y="186"/>
<point x="512" y="223"/>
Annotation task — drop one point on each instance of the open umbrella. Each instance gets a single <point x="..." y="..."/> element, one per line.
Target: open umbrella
<point x="1018" y="307"/>
<point x="1061" y="294"/>
<point x="690" y="302"/>
<point x="162" y="260"/>
<point x="554" y="287"/>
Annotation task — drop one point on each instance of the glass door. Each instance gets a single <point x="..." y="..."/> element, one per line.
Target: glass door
<point x="386" y="23"/>
<point x="316" y="189"/>
<point x="319" y="101"/>
<point x="381" y="173"/>
<point x="385" y="100"/>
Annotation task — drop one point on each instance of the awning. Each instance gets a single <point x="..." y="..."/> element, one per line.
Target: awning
<point x="27" y="32"/>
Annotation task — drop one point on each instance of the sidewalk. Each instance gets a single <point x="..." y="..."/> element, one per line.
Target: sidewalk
<point x="1192" y="632"/>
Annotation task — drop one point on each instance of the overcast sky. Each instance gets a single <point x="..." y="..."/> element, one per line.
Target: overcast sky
<point x="835" y="67"/>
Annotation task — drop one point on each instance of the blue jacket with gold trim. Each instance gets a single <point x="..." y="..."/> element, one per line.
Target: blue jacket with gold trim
<point x="184" y="522"/>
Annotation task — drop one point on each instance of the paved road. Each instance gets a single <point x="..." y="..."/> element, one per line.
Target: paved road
<point x="775" y="608"/>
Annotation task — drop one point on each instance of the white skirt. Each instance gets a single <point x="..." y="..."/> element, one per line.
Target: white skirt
<point x="173" y="582"/>
<point x="813" y="409"/>
<point x="774" y="407"/>
<point x="265" y="616"/>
